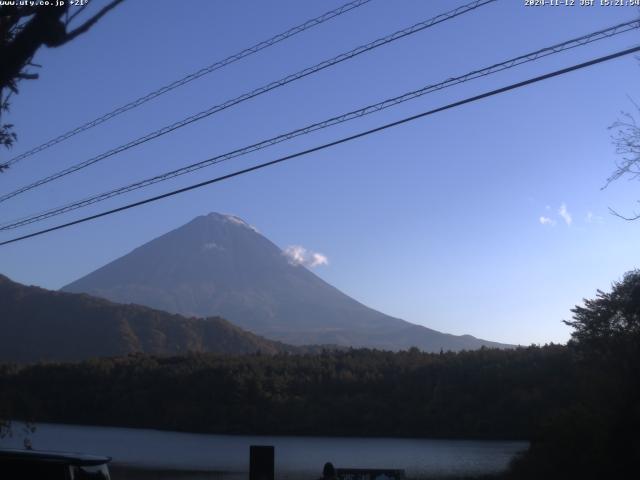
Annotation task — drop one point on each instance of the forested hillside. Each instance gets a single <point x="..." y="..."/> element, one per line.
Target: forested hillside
<point x="38" y="324"/>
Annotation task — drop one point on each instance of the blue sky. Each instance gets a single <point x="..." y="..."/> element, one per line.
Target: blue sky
<point x="437" y="222"/>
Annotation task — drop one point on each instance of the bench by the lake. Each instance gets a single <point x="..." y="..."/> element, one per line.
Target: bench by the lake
<point x="262" y="462"/>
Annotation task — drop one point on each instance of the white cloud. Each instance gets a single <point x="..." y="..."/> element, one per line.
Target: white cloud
<point x="295" y="254"/>
<point x="319" y="259"/>
<point x="564" y="213"/>
<point x="299" y="255"/>
<point x="547" y="221"/>
<point x="591" y="218"/>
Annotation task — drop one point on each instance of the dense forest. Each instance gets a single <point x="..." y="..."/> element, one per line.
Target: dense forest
<point x="579" y="404"/>
<point x="486" y="393"/>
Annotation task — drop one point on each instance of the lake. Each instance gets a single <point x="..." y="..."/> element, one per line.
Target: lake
<point x="150" y="454"/>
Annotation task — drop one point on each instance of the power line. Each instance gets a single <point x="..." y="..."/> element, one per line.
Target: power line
<point x="513" y="62"/>
<point x="254" y="93"/>
<point x="334" y="143"/>
<point x="347" y="7"/>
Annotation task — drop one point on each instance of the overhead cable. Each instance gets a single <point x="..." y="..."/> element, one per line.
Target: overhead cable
<point x="331" y="144"/>
<point x="347" y="7"/>
<point x="254" y="93"/>
<point x="513" y="62"/>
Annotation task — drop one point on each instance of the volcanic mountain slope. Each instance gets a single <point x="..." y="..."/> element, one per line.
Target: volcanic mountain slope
<point x="38" y="324"/>
<point x="220" y="265"/>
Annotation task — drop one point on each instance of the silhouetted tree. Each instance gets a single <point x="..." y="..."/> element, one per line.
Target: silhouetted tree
<point x="609" y="315"/>
<point x="23" y="30"/>
<point x="595" y="436"/>
<point x="626" y="139"/>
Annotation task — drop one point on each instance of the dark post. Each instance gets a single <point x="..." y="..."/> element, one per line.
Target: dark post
<point x="261" y="462"/>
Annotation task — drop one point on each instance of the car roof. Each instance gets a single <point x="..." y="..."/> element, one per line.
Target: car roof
<point x="71" y="458"/>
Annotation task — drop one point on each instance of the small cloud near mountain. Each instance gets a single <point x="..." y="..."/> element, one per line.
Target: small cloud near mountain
<point x="298" y="255"/>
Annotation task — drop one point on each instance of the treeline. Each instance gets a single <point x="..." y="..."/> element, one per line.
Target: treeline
<point x="479" y="394"/>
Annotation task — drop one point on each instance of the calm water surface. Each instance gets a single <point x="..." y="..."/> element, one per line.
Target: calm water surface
<point x="173" y="455"/>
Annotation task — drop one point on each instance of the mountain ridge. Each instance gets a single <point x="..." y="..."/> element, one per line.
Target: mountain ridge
<point x="43" y="325"/>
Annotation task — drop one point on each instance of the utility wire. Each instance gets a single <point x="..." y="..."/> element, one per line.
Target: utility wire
<point x="513" y="62"/>
<point x="259" y="91"/>
<point x="189" y="78"/>
<point x="459" y="103"/>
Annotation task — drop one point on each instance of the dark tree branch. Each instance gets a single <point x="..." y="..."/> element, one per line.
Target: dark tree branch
<point x="626" y="140"/>
<point x="632" y="218"/>
<point x="90" y="22"/>
<point x="28" y="76"/>
<point x="24" y="30"/>
<point x="45" y="27"/>
<point x="76" y="13"/>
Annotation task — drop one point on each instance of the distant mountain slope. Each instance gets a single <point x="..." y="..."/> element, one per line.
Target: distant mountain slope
<point x="219" y="265"/>
<point x="38" y="324"/>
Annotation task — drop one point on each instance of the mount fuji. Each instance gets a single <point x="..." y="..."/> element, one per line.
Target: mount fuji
<point x="219" y="265"/>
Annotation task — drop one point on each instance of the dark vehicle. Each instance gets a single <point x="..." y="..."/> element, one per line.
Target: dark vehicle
<point x="34" y="465"/>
